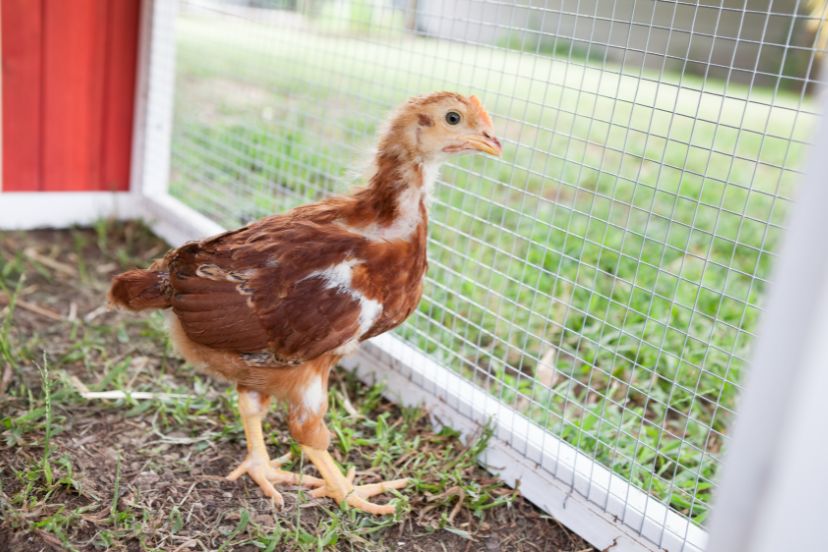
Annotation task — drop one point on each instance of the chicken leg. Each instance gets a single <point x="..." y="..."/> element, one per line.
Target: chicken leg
<point x="341" y="488"/>
<point x="257" y="464"/>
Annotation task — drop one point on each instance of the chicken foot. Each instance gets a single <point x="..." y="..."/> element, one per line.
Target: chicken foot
<point x="341" y="488"/>
<point x="258" y="465"/>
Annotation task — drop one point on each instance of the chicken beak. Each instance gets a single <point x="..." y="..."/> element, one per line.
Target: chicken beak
<point x="486" y="143"/>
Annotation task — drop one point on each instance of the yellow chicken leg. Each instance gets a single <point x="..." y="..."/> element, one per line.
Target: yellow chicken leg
<point x="341" y="488"/>
<point x="257" y="464"/>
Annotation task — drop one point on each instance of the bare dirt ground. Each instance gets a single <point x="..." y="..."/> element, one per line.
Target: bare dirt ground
<point x="148" y="474"/>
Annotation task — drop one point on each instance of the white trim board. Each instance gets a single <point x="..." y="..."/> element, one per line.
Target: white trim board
<point x="154" y="98"/>
<point x="176" y="222"/>
<point x="28" y="210"/>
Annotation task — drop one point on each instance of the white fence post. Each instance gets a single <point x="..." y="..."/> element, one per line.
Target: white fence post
<point x="774" y="481"/>
<point x="154" y="98"/>
<point x="152" y="139"/>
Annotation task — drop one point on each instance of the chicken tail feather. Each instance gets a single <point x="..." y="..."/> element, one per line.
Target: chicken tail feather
<point x="140" y="289"/>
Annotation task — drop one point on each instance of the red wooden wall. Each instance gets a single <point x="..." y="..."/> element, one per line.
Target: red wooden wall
<point x="68" y="93"/>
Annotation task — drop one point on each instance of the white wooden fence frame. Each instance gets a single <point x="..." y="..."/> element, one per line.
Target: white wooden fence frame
<point x="602" y="507"/>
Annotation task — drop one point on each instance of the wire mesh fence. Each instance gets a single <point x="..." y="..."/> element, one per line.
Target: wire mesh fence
<point x="605" y="277"/>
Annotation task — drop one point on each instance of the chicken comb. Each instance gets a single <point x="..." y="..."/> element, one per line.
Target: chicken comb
<point x="481" y="110"/>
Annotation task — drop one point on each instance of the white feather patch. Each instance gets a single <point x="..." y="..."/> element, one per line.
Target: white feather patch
<point x="339" y="276"/>
<point x="313" y="395"/>
<point x="406" y="223"/>
<point x="431" y="171"/>
<point x="347" y="348"/>
<point x="254" y="404"/>
<point x="370" y="311"/>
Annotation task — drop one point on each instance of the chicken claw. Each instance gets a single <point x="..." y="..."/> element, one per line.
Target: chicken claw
<point x="341" y="488"/>
<point x="266" y="472"/>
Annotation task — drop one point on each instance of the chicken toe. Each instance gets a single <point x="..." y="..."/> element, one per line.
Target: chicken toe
<point x="341" y="488"/>
<point x="266" y="472"/>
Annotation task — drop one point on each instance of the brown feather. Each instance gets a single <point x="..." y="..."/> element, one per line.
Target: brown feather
<point x="140" y="289"/>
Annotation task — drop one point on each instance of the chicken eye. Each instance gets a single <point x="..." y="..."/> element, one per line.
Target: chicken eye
<point x="452" y="117"/>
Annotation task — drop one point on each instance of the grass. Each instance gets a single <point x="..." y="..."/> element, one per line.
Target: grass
<point x="626" y="236"/>
<point x="89" y="474"/>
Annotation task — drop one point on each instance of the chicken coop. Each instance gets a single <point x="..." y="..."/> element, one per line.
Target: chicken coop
<point x="634" y="297"/>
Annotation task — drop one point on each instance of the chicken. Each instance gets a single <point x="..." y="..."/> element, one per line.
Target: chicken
<point x="272" y="306"/>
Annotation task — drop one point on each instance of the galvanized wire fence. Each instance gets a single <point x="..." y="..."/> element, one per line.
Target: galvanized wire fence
<point x="604" y="278"/>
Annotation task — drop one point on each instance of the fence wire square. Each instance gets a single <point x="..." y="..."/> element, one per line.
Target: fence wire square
<point x="605" y="277"/>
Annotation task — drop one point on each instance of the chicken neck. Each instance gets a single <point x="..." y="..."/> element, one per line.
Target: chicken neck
<point x="393" y="205"/>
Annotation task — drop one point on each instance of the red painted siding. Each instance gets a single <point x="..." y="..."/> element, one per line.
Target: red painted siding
<point x="22" y="79"/>
<point x="68" y="93"/>
<point x="121" y="64"/>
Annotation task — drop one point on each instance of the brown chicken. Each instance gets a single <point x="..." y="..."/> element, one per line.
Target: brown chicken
<point x="274" y="305"/>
